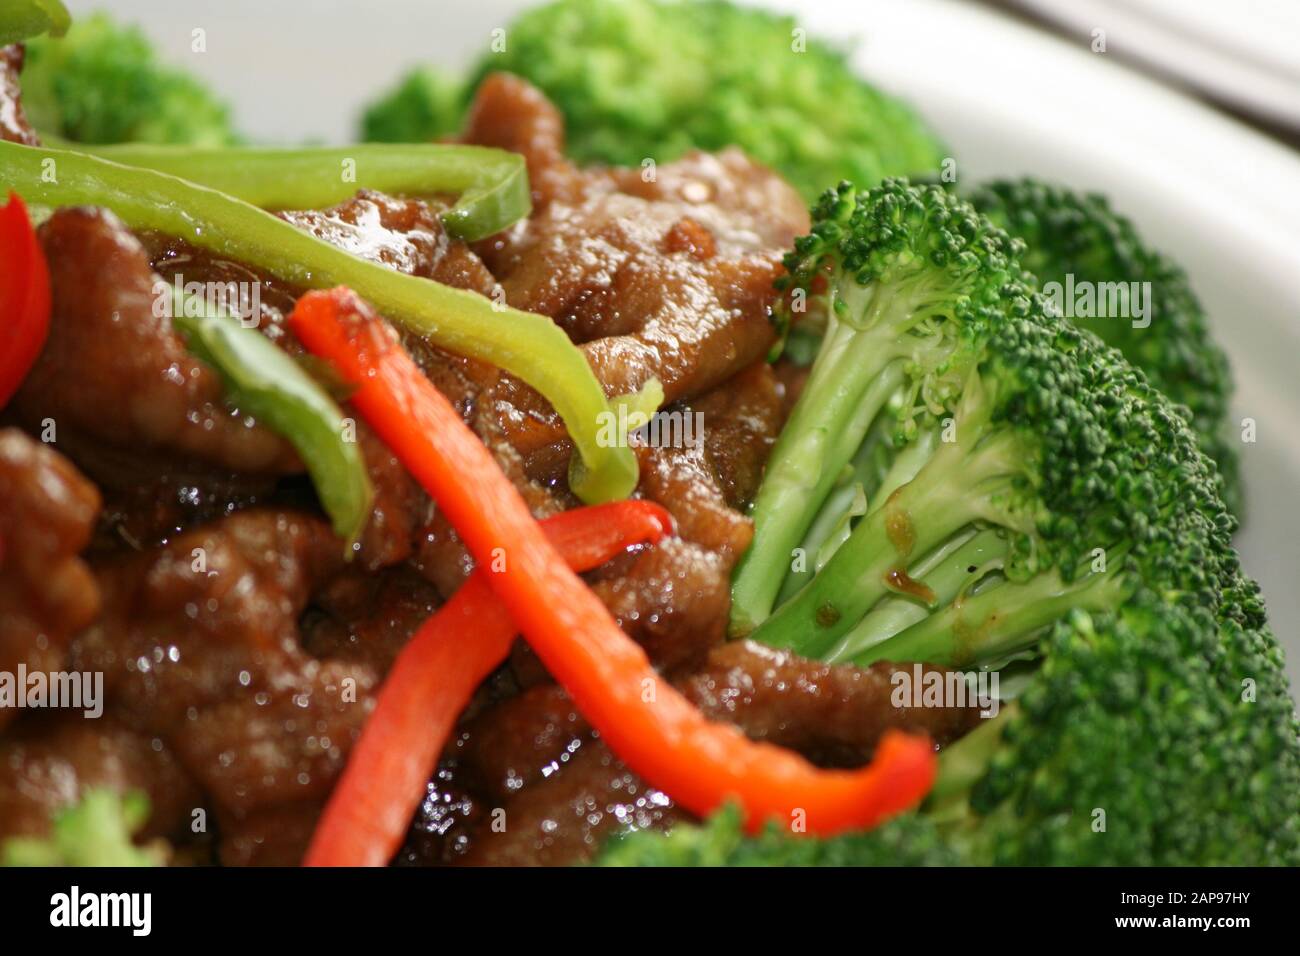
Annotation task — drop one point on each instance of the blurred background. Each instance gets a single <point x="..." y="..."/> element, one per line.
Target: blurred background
<point x="1242" y="56"/>
<point x="1185" y="112"/>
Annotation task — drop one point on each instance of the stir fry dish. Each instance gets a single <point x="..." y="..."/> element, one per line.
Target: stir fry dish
<point x="637" y="449"/>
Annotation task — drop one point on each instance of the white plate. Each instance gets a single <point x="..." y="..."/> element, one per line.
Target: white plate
<point x="1243" y="52"/>
<point x="1223" y="200"/>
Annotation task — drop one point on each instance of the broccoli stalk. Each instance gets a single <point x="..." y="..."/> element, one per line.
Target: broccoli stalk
<point x="1065" y="516"/>
<point x="1003" y="422"/>
<point x="987" y="475"/>
<point x="889" y="341"/>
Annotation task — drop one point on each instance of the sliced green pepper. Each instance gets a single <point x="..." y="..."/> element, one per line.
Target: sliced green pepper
<point x="23" y="19"/>
<point x="530" y="347"/>
<point x="492" y="184"/>
<point x="264" y="381"/>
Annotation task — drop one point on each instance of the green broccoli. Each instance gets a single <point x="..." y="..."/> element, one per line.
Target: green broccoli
<point x="1080" y="236"/>
<point x="971" y="479"/>
<point x="720" y="841"/>
<point x="103" y="83"/>
<point x="988" y="432"/>
<point x="426" y="105"/>
<point x="640" y="79"/>
<point x="95" y="831"/>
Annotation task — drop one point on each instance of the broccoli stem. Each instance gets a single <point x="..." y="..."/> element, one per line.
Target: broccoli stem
<point x="960" y="484"/>
<point x="844" y="503"/>
<point x="906" y="465"/>
<point x="956" y="565"/>
<point x="988" y="626"/>
<point x="861" y="365"/>
<point x="963" y="763"/>
<point x="829" y="424"/>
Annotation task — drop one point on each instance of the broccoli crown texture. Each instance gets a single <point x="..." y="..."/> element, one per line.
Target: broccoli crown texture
<point x="103" y="83"/>
<point x="1152" y="736"/>
<point x="1019" y="492"/>
<point x="651" y="79"/>
<point x="1078" y="242"/>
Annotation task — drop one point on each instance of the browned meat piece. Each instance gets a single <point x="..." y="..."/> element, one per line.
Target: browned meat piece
<point x="49" y="760"/>
<point x="742" y="418"/>
<point x="667" y="276"/>
<point x="566" y="817"/>
<point x="533" y="766"/>
<point x="672" y="600"/>
<point x="148" y="500"/>
<point x="13" y="123"/>
<point x="528" y="783"/>
<point x="181" y="623"/>
<point x="275" y="835"/>
<point x="680" y="480"/>
<point x="400" y="507"/>
<point x="47" y="511"/>
<point x="407" y="236"/>
<point x="700" y="448"/>
<point x="509" y="114"/>
<point x="404" y="234"/>
<point x="519" y="742"/>
<point x="199" y="644"/>
<point x="115" y="371"/>
<point x="285" y="741"/>
<point x="367" y="617"/>
<point x="834" y="715"/>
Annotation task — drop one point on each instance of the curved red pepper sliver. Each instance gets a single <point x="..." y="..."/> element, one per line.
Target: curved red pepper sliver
<point x="24" y="297"/>
<point x="642" y="718"/>
<point x="433" y="679"/>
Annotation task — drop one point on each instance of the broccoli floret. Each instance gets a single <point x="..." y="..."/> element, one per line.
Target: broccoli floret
<point x="103" y="83"/>
<point x="96" y="831"/>
<point x="1069" y="234"/>
<point x="426" y="105"/>
<point x="1006" y="430"/>
<point x="1160" y="734"/>
<point x="908" y="840"/>
<point x="640" y="79"/>
<point x="1019" y="489"/>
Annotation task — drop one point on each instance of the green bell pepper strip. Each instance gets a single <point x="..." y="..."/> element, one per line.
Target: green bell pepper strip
<point x="531" y="347"/>
<point x="264" y="381"/>
<point x="23" y="19"/>
<point x="492" y="184"/>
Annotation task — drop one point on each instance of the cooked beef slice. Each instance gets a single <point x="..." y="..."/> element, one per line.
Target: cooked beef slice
<point x="47" y="594"/>
<point x="13" y="122"/>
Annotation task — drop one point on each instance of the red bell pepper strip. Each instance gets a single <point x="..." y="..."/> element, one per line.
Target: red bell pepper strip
<point x="642" y="718"/>
<point x="24" y="297"/>
<point x="433" y="679"/>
